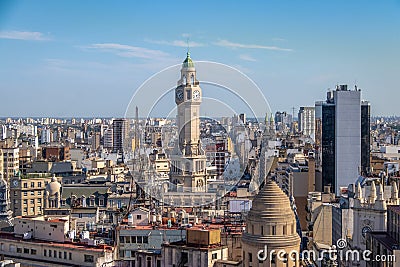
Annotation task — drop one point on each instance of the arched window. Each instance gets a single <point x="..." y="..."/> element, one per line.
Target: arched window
<point x="192" y="79"/>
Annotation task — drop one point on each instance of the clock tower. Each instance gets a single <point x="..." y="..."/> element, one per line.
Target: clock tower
<point x="188" y="168"/>
<point x="188" y="99"/>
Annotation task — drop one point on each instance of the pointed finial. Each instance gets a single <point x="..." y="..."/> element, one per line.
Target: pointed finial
<point x="372" y="194"/>
<point x="359" y="191"/>
<point x="395" y="191"/>
<point x="380" y="195"/>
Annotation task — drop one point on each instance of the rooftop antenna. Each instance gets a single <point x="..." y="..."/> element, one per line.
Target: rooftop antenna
<point x="188" y="45"/>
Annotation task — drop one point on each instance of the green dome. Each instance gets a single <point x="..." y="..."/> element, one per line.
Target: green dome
<point x="188" y="62"/>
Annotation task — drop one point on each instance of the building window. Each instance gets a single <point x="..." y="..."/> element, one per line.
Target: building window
<point x="139" y="239"/>
<point x="60" y="254"/>
<point x="55" y="254"/>
<point x="214" y="256"/>
<point x="274" y="230"/>
<point x="65" y="255"/>
<point x="32" y="184"/>
<point x="32" y="201"/>
<point x="32" y="193"/>
<point x="32" y="210"/>
<point x="39" y="193"/>
<point x="101" y="202"/>
<point x="45" y="252"/>
<point x="145" y="239"/>
<point x="19" y="250"/>
<point x="25" y="202"/>
<point x="250" y="257"/>
<point x="262" y="230"/>
<point x="121" y="239"/>
<point x="39" y="184"/>
<point x="25" y="193"/>
<point x="70" y="256"/>
<point x="127" y="239"/>
<point x="284" y="230"/>
<point x="49" y="253"/>
<point x="25" y="185"/>
<point x="26" y="250"/>
<point x="39" y="201"/>
<point x="33" y="251"/>
<point x="92" y="201"/>
<point x="15" y="193"/>
<point x="89" y="258"/>
<point x="138" y="217"/>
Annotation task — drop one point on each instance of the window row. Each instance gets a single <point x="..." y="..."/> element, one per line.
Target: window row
<point x="134" y="239"/>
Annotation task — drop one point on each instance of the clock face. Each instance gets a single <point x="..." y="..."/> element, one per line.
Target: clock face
<point x="196" y="95"/>
<point x="179" y="95"/>
<point x="15" y="183"/>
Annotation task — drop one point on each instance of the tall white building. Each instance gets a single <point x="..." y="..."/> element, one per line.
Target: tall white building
<point x="344" y="126"/>
<point x="10" y="162"/>
<point x="45" y="136"/>
<point x="108" y="138"/>
<point x="306" y="118"/>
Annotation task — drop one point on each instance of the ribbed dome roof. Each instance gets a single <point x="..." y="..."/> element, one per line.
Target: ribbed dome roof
<point x="271" y="204"/>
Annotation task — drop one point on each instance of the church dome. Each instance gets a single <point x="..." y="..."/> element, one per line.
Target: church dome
<point x="188" y="62"/>
<point x="53" y="187"/>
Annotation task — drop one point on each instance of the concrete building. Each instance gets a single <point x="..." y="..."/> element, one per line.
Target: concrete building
<point x="120" y="134"/>
<point x="306" y="118"/>
<point x="56" y="153"/>
<point x="10" y="162"/>
<point x="27" y="194"/>
<point x="202" y="247"/>
<point x="1" y="162"/>
<point x="132" y="241"/>
<point x="344" y="128"/>
<point x="271" y="225"/>
<point x="41" y="241"/>
<point x="108" y="138"/>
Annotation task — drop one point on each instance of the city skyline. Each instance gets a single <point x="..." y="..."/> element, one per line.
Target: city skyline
<point x="64" y="59"/>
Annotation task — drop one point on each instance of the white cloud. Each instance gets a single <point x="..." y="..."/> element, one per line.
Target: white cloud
<point x="23" y="35"/>
<point x="226" y="43"/>
<point x="247" y="58"/>
<point x="178" y="43"/>
<point x="128" y="50"/>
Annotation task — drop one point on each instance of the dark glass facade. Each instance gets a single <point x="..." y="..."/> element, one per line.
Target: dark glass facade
<point x="365" y="137"/>
<point x="328" y="146"/>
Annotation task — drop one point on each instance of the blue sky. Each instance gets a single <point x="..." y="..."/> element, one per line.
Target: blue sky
<point x="87" y="58"/>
